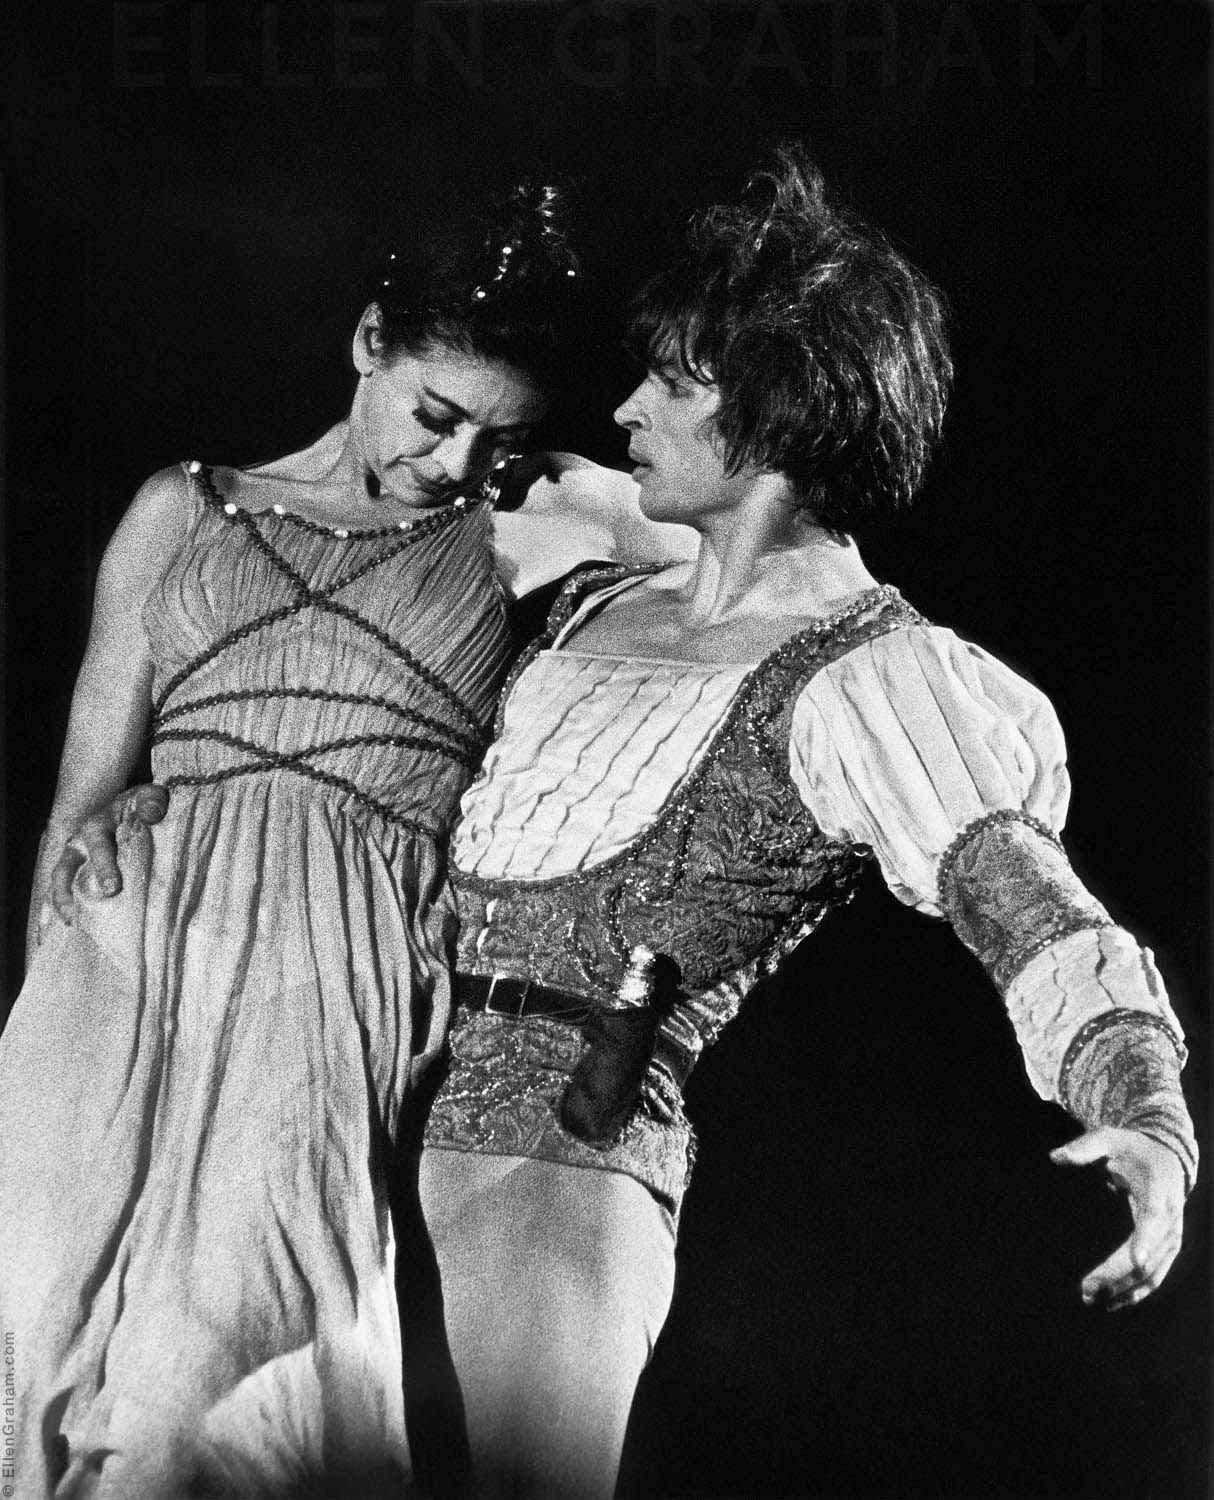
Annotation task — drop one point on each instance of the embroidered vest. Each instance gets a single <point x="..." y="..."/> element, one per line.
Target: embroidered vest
<point x="728" y="878"/>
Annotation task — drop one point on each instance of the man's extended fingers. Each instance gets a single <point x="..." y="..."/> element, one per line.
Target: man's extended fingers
<point x="149" y="803"/>
<point x="97" y="834"/>
<point x="1119" y="1282"/>
<point x="1152" y="1179"/>
<point x="1150" y="1273"/>
<point x="95" y="844"/>
<point x="62" y="876"/>
<point x="1137" y="1267"/>
<point x="1131" y="1298"/>
<point x="1092" y="1146"/>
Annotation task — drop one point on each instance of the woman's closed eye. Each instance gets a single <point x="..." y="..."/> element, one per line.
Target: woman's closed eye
<point x="441" y="424"/>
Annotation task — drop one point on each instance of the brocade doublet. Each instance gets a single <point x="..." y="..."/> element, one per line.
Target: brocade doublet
<point x="731" y="874"/>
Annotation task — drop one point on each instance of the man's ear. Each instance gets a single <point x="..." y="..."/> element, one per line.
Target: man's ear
<point x="367" y="348"/>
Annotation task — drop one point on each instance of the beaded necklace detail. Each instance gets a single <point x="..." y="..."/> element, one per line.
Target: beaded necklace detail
<point x="431" y="521"/>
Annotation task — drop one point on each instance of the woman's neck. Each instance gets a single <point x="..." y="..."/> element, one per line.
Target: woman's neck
<point x="326" y="482"/>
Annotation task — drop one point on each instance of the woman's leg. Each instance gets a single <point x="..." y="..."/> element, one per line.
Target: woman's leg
<point x="555" y="1283"/>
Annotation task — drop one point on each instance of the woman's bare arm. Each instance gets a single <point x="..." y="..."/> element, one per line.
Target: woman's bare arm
<point x="111" y="703"/>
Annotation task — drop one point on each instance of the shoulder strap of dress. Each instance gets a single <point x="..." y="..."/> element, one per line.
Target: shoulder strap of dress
<point x="200" y="488"/>
<point x="206" y="492"/>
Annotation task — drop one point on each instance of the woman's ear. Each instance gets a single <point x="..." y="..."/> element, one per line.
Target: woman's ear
<point x="367" y="349"/>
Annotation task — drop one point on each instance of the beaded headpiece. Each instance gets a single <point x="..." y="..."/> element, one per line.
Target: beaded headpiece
<point x="531" y="215"/>
<point x="526" y="248"/>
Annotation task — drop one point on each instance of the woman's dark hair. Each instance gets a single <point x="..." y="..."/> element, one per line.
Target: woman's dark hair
<point x="504" y="284"/>
<point x="829" y="348"/>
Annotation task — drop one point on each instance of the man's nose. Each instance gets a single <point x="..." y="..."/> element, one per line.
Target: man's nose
<point x="631" y="413"/>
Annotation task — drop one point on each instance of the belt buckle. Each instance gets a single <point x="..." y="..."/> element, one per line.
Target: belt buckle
<point x="516" y="1011"/>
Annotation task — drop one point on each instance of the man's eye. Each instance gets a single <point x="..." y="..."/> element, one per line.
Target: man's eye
<point x="440" y="426"/>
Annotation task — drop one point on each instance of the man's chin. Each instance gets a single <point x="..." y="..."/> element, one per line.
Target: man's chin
<point x="654" y="504"/>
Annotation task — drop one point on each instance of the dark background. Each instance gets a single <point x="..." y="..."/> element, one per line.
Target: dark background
<point x="879" y="1283"/>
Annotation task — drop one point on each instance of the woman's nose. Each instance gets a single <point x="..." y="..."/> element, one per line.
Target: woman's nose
<point x="457" y="455"/>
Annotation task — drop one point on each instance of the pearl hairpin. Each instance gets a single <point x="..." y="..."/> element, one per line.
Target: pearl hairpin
<point x="503" y="265"/>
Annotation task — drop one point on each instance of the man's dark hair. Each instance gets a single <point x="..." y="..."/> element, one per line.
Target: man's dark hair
<point x="828" y="347"/>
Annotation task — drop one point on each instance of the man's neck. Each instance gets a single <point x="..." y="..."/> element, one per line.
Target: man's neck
<point x="768" y="558"/>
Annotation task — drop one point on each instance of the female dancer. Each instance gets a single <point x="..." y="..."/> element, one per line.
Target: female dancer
<point x="204" y="1074"/>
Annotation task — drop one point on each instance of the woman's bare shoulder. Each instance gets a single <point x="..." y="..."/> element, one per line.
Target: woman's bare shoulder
<point x="162" y="490"/>
<point x="154" y="526"/>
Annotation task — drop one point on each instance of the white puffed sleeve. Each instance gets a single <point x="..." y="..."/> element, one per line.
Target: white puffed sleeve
<point x="952" y="769"/>
<point x="911" y="737"/>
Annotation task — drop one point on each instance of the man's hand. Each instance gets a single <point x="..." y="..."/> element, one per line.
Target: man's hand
<point x="1153" y="1179"/>
<point x="95" y="843"/>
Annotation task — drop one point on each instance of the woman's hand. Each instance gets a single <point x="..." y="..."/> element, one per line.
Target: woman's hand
<point x="95" y="843"/>
<point x="1152" y="1177"/>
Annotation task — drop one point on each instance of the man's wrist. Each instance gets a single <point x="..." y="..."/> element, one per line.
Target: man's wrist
<point x="1175" y="1137"/>
<point x="1123" y="1069"/>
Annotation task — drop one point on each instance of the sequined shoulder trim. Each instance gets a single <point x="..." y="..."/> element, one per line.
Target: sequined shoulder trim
<point x="582" y="581"/>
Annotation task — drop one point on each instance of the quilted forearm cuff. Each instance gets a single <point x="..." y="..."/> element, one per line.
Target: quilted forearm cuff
<point x="1123" y="1068"/>
<point x="1009" y="892"/>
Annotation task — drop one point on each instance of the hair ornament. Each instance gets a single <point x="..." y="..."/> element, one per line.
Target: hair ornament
<point x="496" y="480"/>
<point x="529" y="243"/>
<point x="496" y="283"/>
<point x="503" y="265"/>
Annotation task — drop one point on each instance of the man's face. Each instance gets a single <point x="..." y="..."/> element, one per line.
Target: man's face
<point x="673" y="440"/>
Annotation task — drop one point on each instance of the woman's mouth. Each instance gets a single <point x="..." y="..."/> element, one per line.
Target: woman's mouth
<point x="411" y="486"/>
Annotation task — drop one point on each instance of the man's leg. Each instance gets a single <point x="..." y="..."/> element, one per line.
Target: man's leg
<point x="555" y="1284"/>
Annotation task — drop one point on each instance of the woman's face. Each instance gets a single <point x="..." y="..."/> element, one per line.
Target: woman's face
<point x="431" y="426"/>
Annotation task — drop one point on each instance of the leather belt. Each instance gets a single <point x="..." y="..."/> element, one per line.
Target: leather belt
<point x="502" y="995"/>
